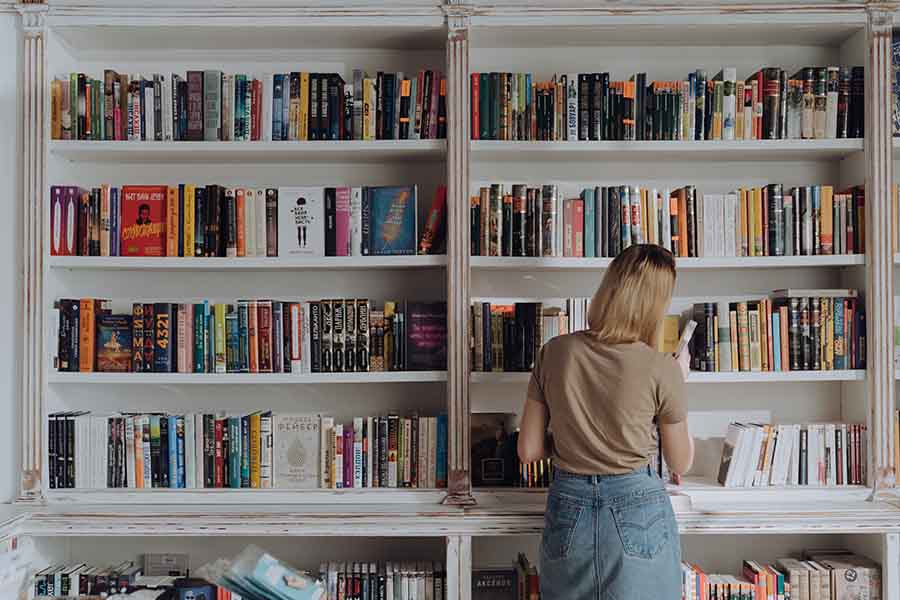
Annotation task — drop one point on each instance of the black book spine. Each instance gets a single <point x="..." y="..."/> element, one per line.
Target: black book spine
<point x="149" y="338"/>
<point x="335" y="115"/>
<point x="700" y="111"/>
<point x="52" y="423"/>
<point x="164" y="441"/>
<point x="231" y="223"/>
<point x="379" y="107"/>
<point x="487" y="337"/>
<point x="815" y="316"/>
<point x="585" y="89"/>
<point x="330" y="222"/>
<point x="366" y="226"/>
<point x="795" y="334"/>
<point x="200" y="221"/>
<point x="530" y="327"/>
<point x="475" y="227"/>
<point x="691" y="220"/>
<point x="70" y="450"/>
<point x="857" y="102"/>
<point x="506" y="236"/>
<point x="531" y="235"/>
<point x="614" y="218"/>
<point x="782" y="104"/>
<point x="286" y="338"/>
<point x="209" y="451"/>
<point x="162" y="328"/>
<point x="519" y="218"/>
<point x="111" y="452"/>
<point x="805" y="335"/>
<point x="803" y="480"/>
<point x="337" y="336"/>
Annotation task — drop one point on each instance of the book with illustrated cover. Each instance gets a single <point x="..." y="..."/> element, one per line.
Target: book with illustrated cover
<point x="301" y="221"/>
<point x="143" y="231"/>
<point x="114" y="335"/>
<point x="296" y="451"/>
<point x="393" y="224"/>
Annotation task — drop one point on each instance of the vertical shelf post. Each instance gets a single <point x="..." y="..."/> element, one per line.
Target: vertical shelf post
<point x="459" y="567"/>
<point x="33" y="157"/>
<point x="459" y="475"/>
<point x="880" y="379"/>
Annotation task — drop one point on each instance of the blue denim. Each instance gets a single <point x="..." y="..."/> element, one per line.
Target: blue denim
<point x="610" y="537"/>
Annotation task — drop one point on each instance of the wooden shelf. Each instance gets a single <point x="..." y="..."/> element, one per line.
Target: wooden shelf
<point x="245" y="378"/>
<point x="376" y="151"/>
<point x="515" y="263"/>
<point x="119" y="263"/>
<point x="708" y="151"/>
<point x="699" y="377"/>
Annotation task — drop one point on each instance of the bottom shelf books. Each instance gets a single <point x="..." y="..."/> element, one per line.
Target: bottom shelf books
<point x="815" y="454"/>
<point x="518" y="582"/>
<point x="818" y="575"/>
<point x="259" y="450"/>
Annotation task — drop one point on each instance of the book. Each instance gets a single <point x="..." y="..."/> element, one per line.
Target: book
<point x="393" y="224"/>
<point x="114" y="335"/>
<point x="143" y="220"/>
<point x="301" y="221"/>
<point x="297" y="449"/>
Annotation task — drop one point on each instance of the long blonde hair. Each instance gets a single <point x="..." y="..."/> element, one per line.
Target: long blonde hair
<point x="631" y="301"/>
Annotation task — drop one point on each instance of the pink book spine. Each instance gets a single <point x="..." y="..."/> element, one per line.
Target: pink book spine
<point x="342" y="221"/>
<point x="433" y="109"/>
<point x="348" y="457"/>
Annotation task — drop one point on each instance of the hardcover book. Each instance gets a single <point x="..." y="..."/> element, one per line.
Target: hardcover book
<point x="114" y="343"/>
<point x="393" y="226"/>
<point x="495" y="584"/>
<point x="143" y="220"/>
<point x="426" y="344"/>
<point x="301" y="218"/>
<point x="296" y="451"/>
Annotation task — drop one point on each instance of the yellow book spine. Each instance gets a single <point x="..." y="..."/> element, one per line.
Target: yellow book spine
<point x="188" y="249"/>
<point x="826" y="218"/>
<point x="56" y="109"/>
<point x="303" y="115"/>
<point x="220" y="338"/>
<point x="829" y="333"/>
<point x="172" y="221"/>
<point x="255" y="449"/>
<point x="368" y="109"/>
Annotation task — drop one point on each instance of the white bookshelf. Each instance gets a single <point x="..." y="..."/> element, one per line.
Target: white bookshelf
<point x="503" y="35"/>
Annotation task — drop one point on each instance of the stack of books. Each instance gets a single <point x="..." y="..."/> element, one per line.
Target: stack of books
<point x="250" y="336"/>
<point x="231" y="221"/>
<point x="260" y="450"/>
<point x="770" y="220"/>
<point x="813" y="103"/>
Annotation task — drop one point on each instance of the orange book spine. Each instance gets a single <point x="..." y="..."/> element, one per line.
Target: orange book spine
<point x="745" y="246"/>
<point x="86" y="336"/>
<point x="240" y="201"/>
<point x="172" y="221"/>
<point x="138" y="453"/>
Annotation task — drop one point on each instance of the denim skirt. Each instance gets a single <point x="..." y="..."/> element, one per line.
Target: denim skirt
<point x="610" y="537"/>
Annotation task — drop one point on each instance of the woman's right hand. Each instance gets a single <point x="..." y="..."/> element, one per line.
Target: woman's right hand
<point x="684" y="361"/>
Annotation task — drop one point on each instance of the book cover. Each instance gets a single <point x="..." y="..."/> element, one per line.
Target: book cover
<point x="114" y="343"/>
<point x="143" y="220"/>
<point x="426" y="343"/>
<point x="495" y="584"/>
<point x="393" y="223"/>
<point x="296" y="451"/>
<point x="301" y="221"/>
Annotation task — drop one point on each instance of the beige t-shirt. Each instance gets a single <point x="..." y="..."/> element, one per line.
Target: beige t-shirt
<point x="603" y="400"/>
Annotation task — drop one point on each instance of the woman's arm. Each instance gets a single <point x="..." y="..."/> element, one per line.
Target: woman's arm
<point x="677" y="446"/>
<point x="533" y="432"/>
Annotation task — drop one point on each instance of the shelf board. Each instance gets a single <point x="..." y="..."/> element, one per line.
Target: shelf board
<point x="120" y="263"/>
<point x="516" y="263"/>
<point x="521" y="378"/>
<point x="374" y="151"/>
<point x="245" y="378"/>
<point x="376" y="496"/>
<point x="621" y="151"/>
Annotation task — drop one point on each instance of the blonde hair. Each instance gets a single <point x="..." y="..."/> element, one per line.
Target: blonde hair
<point x="631" y="301"/>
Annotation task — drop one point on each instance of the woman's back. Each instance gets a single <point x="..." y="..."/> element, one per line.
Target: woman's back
<point x="603" y="398"/>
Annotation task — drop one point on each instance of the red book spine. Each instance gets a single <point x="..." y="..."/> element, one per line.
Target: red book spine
<point x="474" y="105"/>
<point x="219" y="455"/>
<point x="434" y="223"/>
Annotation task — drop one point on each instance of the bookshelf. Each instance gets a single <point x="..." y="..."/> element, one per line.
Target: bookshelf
<point x="457" y="38"/>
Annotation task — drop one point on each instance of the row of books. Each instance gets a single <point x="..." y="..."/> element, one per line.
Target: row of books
<point x="388" y="106"/>
<point x="260" y="450"/>
<point x="816" y="575"/>
<point x="602" y="221"/>
<point x="220" y="221"/>
<point x="250" y="336"/>
<point x="212" y="105"/>
<point x="404" y="580"/>
<point x="794" y="330"/>
<point x="520" y="581"/>
<point x="813" y="454"/>
<point x="814" y="103"/>
<point x="507" y="337"/>
<point x="76" y="580"/>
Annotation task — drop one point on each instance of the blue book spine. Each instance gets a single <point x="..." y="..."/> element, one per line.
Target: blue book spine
<point x="234" y="452"/>
<point x="245" y="452"/>
<point x="393" y="220"/>
<point x="776" y="340"/>
<point x="840" y="349"/>
<point x="180" y="219"/>
<point x="895" y="85"/>
<point x="277" y="91"/>
<point x="179" y="435"/>
<point x="599" y="231"/>
<point x="692" y="90"/>
<point x="441" y="446"/>
<point x="114" y="221"/>
<point x="244" y="338"/>
<point x="589" y="225"/>
<point x="817" y="211"/>
<point x="173" y="453"/>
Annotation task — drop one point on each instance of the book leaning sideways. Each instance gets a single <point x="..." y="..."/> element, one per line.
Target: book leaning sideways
<point x="257" y="575"/>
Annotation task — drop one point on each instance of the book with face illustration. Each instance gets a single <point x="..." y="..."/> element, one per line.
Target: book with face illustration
<point x="301" y="221"/>
<point x="393" y="220"/>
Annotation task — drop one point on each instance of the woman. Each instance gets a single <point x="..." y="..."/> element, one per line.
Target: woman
<point x="609" y="531"/>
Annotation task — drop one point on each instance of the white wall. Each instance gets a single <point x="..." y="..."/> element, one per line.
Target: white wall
<point x="10" y="249"/>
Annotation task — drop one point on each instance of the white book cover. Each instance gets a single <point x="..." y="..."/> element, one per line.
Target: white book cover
<point x="296" y="459"/>
<point x="830" y="455"/>
<point x="356" y="221"/>
<point x="198" y="450"/>
<point x="795" y="455"/>
<point x="301" y="221"/>
<point x="326" y="443"/>
<point x="190" y="454"/>
<point x="770" y="455"/>
<point x="103" y="456"/>
<point x="761" y="459"/>
<point x="267" y="453"/>
<point x="572" y="107"/>
<point x="743" y="440"/>
<point x="812" y="455"/>
<point x="752" y="458"/>
<point x="666" y="220"/>
<point x="149" y="114"/>
<point x="652" y="216"/>
<point x="724" y="328"/>
<point x="259" y="204"/>
<point x="730" y="453"/>
<point x="357" y="452"/>
<point x="166" y="99"/>
<point x="729" y="76"/>
<point x="709" y="203"/>
<point x="129" y="452"/>
<point x="249" y="222"/>
<point x="780" y="466"/>
<point x="846" y="452"/>
<point x="266" y="113"/>
<point x="369" y="452"/>
<point x="730" y="223"/>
